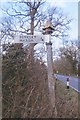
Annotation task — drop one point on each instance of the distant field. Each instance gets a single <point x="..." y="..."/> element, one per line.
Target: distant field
<point x="66" y="101"/>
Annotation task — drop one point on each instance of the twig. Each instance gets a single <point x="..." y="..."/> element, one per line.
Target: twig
<point x="27" y="102"/>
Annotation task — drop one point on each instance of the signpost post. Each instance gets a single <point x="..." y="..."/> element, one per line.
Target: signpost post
<point x="51" y="81"/>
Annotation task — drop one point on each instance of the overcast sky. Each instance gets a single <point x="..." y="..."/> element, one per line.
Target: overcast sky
<point x="69" y="7"/>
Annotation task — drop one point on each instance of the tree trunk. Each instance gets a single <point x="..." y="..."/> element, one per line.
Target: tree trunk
<point x="31" y="47"/>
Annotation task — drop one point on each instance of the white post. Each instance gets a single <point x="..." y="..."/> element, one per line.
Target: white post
<point x="51" y="80"/>
<point x="67" y="83"/>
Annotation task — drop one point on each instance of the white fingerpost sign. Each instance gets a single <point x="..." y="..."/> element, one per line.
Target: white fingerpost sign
<point x="29" y="39"/>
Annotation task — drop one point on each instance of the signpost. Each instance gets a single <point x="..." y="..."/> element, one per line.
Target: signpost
<point x="26" y="39"/>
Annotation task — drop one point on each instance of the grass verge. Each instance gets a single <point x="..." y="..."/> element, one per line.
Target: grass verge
<point x="66" y="101"/>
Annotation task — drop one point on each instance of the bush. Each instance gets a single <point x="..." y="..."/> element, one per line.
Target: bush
<point x="24" y="85"/>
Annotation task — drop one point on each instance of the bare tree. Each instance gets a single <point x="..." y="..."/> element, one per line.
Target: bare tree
<point x="32" y="16"/>
<point x="25" y="87"/>
<point x="24" y="18"/>
<point x="70" y="53"/>
<point x="63" y="66"/>
<point x="60" y="22"/>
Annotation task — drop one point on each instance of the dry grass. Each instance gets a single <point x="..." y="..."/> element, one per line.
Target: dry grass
<point x="66" y="101"/>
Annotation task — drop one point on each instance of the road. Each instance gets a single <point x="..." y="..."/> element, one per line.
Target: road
<point x="74" y="82"/>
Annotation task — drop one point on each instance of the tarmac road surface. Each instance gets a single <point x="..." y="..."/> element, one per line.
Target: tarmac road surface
<point x="74" y="82"/>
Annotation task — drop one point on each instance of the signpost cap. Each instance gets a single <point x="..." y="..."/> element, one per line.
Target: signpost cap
<point x="48" y="28"/>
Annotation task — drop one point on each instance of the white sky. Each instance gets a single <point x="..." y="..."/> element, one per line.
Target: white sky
<point x="69" y="7"/>
<point x="58" y="1"/>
